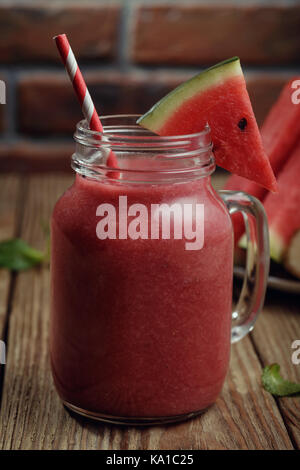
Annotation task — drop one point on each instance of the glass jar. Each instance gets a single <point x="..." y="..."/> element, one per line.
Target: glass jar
<point x="141" y="275"/>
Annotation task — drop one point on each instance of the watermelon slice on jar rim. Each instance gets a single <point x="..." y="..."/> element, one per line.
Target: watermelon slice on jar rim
<point x="217" y="96"/>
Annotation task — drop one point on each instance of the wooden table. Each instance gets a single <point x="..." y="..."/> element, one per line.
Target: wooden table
<point x="32" y="417"/>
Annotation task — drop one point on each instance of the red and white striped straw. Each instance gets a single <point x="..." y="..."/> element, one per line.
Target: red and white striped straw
<point x="83" y="95"/>
<point x="82" y="92"/>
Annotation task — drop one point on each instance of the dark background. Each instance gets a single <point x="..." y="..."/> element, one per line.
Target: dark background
<point x="132" y="52"/>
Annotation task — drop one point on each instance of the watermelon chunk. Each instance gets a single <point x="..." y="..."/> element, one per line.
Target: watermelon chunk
<point x="280" y="132"/>
<point x="283" y="209"/>
<point x="217" y="96"/>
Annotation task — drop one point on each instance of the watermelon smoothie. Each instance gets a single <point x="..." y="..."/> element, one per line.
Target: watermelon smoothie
<point x="140" y="328"/>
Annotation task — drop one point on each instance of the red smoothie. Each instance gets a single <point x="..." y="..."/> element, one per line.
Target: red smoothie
<point x="139" y="327"/>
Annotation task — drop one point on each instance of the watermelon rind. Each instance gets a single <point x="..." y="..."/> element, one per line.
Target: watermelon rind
<point x="292" y="256"/>
<point x="215" y="75"/>
<point x="277" y="247"/>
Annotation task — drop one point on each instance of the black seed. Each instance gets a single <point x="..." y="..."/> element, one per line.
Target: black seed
<point x="242" y="124"/>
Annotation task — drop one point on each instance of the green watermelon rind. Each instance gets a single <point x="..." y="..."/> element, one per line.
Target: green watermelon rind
<point x="155" y="118"/>
<point x="277" y="246"/>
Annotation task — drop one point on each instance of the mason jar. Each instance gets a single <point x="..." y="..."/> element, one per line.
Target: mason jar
<point x="141" y="276"/>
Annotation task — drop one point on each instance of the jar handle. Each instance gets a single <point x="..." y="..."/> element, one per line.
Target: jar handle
<point x="253" y="291"/>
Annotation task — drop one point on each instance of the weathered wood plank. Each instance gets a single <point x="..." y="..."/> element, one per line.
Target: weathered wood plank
<point x="27" y="359"/>
<point x="277" y="328"/>
<point x="32" y="417"/>
<point x="9" y="215"/>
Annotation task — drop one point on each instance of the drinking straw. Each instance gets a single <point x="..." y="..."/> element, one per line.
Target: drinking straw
<point x="81" y="90"/>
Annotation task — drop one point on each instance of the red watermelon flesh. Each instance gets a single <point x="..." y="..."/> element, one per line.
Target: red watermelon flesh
<point x="280" y="132"/>
<point x="217" y="96"/>
<point x="283" y="209"/>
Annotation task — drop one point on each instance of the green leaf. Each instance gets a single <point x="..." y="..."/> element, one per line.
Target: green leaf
<point x="17" y="255"/>
<point x="274" y="383"/>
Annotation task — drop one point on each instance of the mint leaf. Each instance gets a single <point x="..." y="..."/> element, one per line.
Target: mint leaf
<point x="17" y="255"/>
<point x="274" y="383"/>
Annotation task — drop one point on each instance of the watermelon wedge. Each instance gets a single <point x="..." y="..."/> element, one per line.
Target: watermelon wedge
<point x="283" y="209"/>
<point x="217" y="96"/>
<point x="280" y="132"/>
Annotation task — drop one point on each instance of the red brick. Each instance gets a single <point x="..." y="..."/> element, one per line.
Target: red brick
<point x="26" y="31"/>
<point x="47" y="104"/>
<point x="2" y="121"/>
<point x="30" y="156"/>
<point x="199" y="34"/>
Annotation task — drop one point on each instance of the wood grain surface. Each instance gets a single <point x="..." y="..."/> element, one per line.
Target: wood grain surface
<point x="9" y="212"/>
<point x="32" y="416"/>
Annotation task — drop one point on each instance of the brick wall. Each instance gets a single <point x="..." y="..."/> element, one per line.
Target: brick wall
<point x="132" y="52"/>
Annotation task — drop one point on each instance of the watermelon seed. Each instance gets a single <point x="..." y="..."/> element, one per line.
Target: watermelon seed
<point x="242" y="124"/>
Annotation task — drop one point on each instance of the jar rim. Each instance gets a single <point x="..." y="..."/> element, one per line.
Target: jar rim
<point x="84" y="134"/>
<point x="141" y="154"/>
